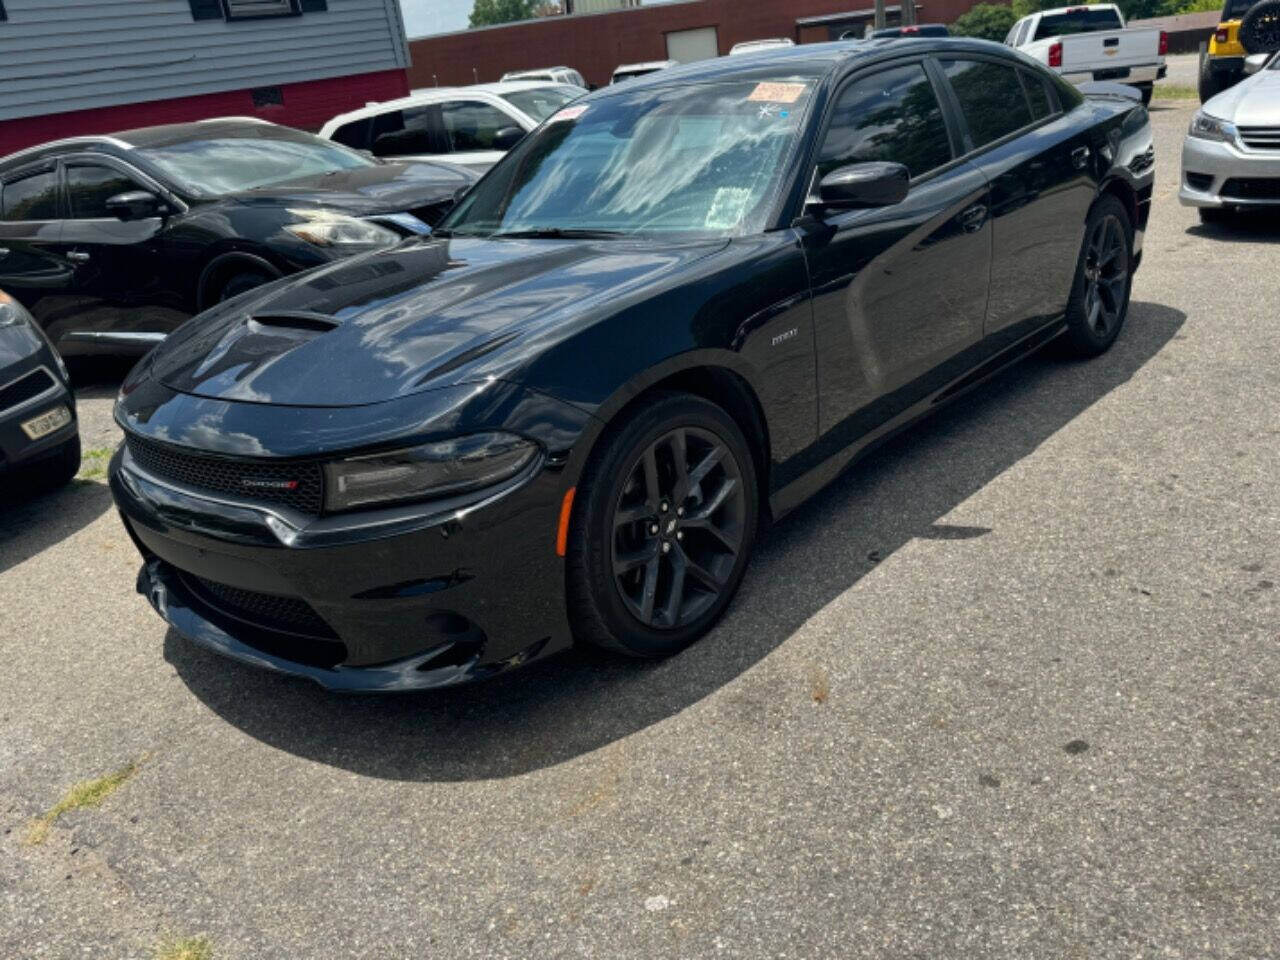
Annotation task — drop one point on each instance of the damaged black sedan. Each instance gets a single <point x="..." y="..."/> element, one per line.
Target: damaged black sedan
<point x="674" y="311"/>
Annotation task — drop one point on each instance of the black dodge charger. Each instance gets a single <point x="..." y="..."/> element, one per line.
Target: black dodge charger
<point x="111" y="242"/>
<point x="675" y="310"/>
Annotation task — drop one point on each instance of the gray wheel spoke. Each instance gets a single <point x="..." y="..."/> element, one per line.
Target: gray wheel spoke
<point x="650" y="593"/>
<point x="679" y="570"/>
<point x="632" y="514"/>
<point x="704" y="467"/>
<point x="702" y="516"/>
<point x="680" y="454"/>
<point x="701" y="573"/>
<point x="652" y="493"/>
<point x="626" y="562"/>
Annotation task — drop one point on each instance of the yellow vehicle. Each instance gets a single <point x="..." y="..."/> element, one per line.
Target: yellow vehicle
<point x="1222" y="62"/>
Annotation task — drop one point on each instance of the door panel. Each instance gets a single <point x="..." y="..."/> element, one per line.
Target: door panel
<point x="1041" y="188"/>
<point x="897" y="292"/>
<point x="118" y="284"/>
<point x="30" y="224"/>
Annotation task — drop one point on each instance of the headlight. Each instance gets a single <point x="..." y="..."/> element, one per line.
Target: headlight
<point x="324" y="228"/>
<point x="1211" y="128"/>
<point x="12" y="314"/>
<point x="431" y="470"/>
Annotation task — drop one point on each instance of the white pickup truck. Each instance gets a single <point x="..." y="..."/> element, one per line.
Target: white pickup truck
<point x="1092" y="43"/>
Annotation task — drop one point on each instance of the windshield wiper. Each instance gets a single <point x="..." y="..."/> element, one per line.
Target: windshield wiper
<point x="555" y="233"/>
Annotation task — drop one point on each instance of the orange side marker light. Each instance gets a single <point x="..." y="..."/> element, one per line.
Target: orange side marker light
<point x="562" y="532"/>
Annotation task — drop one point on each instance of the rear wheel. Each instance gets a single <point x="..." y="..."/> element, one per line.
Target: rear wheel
<point x="1260" y="28"/>
<point x="665" y="524"/>
<point x="1100" y="295"/>
<point x="1211" y="84"/>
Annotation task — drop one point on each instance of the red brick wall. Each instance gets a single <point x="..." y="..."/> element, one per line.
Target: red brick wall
<point x="306" y="105"/>
<point x="595" y="45"/>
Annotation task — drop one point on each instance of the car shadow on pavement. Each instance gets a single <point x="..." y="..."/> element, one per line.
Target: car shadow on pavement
<point x="1244" y="227"/>
<point x="568" y="705"/>
<point x="31" y="521"/>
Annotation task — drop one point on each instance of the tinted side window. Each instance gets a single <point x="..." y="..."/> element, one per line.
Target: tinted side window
<point x="88" y="188"/>
<point x="354" y="135"/>
<point x="34" y="197"/>
<point x="473" y="126"/>
<point x="990" y="96"/>
<point x="892" y="115"/>
<point x="1037" y="95"/>
<point x="400" y="133"/>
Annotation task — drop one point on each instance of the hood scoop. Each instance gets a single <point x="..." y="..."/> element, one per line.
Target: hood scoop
<point x="304" y="320"/>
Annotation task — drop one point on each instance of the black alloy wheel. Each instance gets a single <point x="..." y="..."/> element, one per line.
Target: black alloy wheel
<point x="1100" y="297"/>
<point x="678" y="528"/>
<point x="663" y="534"/>
<point x="1106" y="275"/>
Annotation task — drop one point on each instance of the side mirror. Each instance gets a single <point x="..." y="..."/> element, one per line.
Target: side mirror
<point x="507" y="137"/>
<point x="1255" y="62"/>
<point x="136" y="205"/>
<point x="861" y="185"/>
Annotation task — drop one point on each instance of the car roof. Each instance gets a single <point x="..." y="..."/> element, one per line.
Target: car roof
<point x="428" y="95"/>
<point x="646" y="65"/>
<point x="124" y="141"/>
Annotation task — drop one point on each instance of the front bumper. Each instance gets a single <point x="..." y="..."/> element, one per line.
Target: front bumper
<point x="411" y="598"/>
<point x="1217" y="174"/>
<point x="16" y="448"/>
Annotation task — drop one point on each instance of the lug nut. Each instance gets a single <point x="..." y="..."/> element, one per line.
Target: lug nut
<point x="679" y="534"/>
<point x="653" y="529"/>
<point x="679" y="511"/>
<point x="664" y="506"/>
<point x="666" y="546"/>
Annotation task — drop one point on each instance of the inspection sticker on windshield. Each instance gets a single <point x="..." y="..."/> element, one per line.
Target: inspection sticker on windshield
<point x="728" y="208"/>
<point x="568" y="113"/>
<point x="777" y="92"/>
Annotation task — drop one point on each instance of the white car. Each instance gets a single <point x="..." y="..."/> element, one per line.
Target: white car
<point x="1231" y="154"/>
<point x="751" y="46"/>
<point x="1089" y="43"/>
<point x="549" y="75"/>
<point x="628" y="71"/>
<point x="471" y="127"/>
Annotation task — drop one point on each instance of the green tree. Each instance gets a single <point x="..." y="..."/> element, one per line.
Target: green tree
<point x="989" y="21"/>
<point x="490" y="12"/>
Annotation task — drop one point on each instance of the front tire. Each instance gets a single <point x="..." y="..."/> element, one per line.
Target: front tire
<point x="1211" y="83"/>
<point x="1104" y="277"/>
<point x="666" y="519"/>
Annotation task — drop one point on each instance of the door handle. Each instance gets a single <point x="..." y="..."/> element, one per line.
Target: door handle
<point x="78" y="256"/>
<point x="973" y="218"/>
<point x="1079" y="157"/>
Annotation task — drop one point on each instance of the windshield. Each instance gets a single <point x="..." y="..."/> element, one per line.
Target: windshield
<point x="228" y="164"/>
<point x="1077" y="20"/>
<point x="700" y="160"/>
<point x="541" y="102"/>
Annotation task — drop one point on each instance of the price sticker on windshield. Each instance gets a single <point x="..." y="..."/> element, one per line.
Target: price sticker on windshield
<point x="568" y="113"/>
<point x="777" y="92"/>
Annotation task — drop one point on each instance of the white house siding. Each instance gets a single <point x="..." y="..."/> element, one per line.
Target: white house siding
<point x="62" y="55"/>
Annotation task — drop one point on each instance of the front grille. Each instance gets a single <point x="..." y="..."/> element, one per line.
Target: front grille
<point x="298" y="484"/>
<point x="1260" y="138"/>
<point x="1252" y="188"/>
<point x="25" y="387"/>
<point x="288" y="614"/>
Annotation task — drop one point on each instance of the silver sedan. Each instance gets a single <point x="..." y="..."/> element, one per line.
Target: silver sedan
<point x="1231" y="154"/>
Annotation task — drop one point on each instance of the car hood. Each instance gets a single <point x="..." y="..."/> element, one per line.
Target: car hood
<point x="1253" y="102"/>
<point x="424" y="314"/>
<point x="367" y="191"/>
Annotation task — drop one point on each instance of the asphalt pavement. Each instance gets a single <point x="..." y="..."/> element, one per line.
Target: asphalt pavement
<point x="1007" y="689"/>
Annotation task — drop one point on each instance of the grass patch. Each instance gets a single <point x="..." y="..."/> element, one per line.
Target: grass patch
<point x="188" y="948"/>
<point x="1175" y="91"/>
<point x="93" y="463"/>
<point x="88" y="793"/>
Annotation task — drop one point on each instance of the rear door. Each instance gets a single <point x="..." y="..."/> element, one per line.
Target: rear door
<point x="30" y="223"/>
<point x="1039" y="161"/>
<point x="900" y="291"/>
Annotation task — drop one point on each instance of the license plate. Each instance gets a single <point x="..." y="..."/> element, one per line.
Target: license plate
<point x="1119" y="73"/>
<point x="46" y="423"/>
